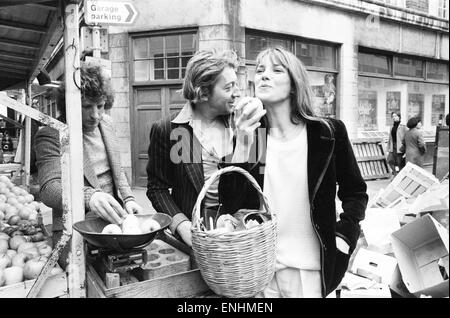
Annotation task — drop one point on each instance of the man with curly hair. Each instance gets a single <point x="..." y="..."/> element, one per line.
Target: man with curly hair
<point x="106" y="187"/>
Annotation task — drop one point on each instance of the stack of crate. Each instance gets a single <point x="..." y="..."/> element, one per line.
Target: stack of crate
<point x="410" y="182"/>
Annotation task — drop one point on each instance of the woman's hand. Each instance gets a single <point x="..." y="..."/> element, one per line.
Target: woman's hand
<point x="131" y="207"/>
<point x="105" y="206"/>
<point x="184" y="230"/>
<point x="248" y="113"/>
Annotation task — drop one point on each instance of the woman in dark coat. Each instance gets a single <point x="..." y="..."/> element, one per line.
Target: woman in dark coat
<point x="305" y="160"/>
<point x="414" y="144"/>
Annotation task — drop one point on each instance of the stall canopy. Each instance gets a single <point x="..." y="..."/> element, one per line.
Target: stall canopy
<point x="29" y="32"/>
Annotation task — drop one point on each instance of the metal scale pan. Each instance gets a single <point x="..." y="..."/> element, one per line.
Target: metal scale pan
<point x="91" y="231"/>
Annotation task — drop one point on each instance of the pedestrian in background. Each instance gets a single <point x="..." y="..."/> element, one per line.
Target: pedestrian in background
<point x="397" y="132"/>
<point x="414" y="144"/>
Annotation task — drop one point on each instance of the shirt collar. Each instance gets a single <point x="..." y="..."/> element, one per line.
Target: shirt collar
<point x="185" y="115"/>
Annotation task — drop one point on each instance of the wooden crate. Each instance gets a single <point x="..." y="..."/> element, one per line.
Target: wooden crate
<point x="369" y="153"/>
<point x="182" y="284"/>
<point x="54" y="287"/>
<point x="410" y="182"/>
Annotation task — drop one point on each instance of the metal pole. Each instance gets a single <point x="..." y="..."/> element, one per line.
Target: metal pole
<point x="28" y="140"/>
<point x="96" y="47"/>
<point x="72" y="154"/>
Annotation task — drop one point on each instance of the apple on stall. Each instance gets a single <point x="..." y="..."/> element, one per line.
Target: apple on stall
<point x="45" y="250"/>
<point x="5" y="261"/>
<point x="33" y="268"/>
<point x="19" y="260"/>
<point x="13" y="275"/>
<point x="3" y="246"/>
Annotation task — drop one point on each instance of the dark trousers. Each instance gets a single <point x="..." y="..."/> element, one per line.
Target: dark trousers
<point x="396" y="159"/>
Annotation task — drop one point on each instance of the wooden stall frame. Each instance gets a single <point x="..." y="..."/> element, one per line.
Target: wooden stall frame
<point x="71" y="161"/>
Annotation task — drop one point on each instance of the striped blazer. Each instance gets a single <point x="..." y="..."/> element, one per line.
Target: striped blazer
<point x="48" y="153"/>
<point x="175" y="172"/>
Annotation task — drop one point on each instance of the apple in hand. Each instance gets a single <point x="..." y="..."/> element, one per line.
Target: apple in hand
<point x="131" y="225"/>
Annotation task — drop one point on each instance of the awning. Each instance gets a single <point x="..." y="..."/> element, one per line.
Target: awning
<point x="29" y="32"/>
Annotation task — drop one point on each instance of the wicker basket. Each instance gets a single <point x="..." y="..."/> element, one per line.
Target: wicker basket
<point x="239" y="263"/>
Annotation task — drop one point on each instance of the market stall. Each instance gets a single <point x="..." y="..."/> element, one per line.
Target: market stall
<point x="29" y="33"/>
<point x="164" y="268"/>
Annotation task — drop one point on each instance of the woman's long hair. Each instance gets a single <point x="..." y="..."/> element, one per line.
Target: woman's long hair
<point x="301" y="92"/>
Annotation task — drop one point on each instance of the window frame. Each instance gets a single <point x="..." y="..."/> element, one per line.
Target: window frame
<point x="293" y="41"/>
<point x="392" y="75"/>
<point x="336" y="47"/>
<point x="147" y="34"/>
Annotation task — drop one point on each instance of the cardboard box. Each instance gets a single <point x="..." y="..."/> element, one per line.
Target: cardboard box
<point x="398" y="286"/>
<point x="420" y="248"/>
<point x="375" y="266"/>
<point x="378" y="291"/>
<point x="355" y="286"/>
<point x="440" y="215"/>
<point x="377" y="227"/>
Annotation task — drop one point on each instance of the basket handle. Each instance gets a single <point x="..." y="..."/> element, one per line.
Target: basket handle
<point x="214" y="176"/>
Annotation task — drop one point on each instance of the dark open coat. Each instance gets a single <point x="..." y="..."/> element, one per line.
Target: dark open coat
<point x="331" y="167"/>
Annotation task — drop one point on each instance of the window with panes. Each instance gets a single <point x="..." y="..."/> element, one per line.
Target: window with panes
<point x="389" y="82"/>
<point x="162" y="56"/>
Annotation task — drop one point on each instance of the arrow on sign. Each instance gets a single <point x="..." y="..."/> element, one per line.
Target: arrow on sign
<point x="109" y="12"/>
<point x="130" y="11"/>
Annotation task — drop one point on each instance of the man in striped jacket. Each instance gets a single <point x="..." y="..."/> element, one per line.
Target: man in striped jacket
<point x="213" y="129"/>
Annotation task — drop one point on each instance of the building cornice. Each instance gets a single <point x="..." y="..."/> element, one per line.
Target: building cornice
<point x="375" y="8"/>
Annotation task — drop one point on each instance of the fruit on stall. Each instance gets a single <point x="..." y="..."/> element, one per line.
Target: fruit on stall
<point x="33" y="267"/>
<point x="112" y="229"/>
<point x="23" y="246"/>
<point x="45" y="250"/>
<point x="11" y="253"/>
<point x="19" y="259"/>
<point x="56" y="270"/>
<point x="3" y="246"/>
<point x="5" y="261"/>
<point x="149" y="225"/>
<point x="15" y="241"/>
<point x="32" y="252"/>
<point x="130" y="225"/>
<point x="13" y="275"/>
